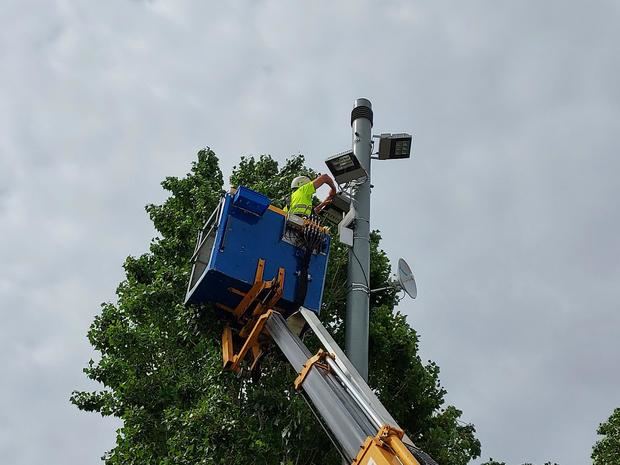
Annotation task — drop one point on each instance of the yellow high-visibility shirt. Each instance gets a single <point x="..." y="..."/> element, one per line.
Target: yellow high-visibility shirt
<point x="301" y="200"/>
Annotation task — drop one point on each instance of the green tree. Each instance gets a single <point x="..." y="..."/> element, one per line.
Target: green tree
<point x="160" y="363"/>
<point x="606" y="451"/>
<point x="495" y="462"/>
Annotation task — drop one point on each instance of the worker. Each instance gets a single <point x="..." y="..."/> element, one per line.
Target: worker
<point x="303" y="190"/>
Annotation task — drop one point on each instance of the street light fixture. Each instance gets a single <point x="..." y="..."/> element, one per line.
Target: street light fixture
<point x="345" y="167"/>
<point x="334" y="212"/>
<point x="394" y="146"/>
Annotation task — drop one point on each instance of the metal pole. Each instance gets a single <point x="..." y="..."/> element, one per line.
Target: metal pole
<point x="358" y="297"/>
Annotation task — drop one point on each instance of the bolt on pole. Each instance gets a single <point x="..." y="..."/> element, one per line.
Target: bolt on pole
<point x="358" y="272"/>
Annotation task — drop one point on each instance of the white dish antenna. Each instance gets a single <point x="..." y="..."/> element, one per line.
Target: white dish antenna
<point x="406" y="281"/>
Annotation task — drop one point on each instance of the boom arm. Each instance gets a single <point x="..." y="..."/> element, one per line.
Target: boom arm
<point x="358" y="424"/>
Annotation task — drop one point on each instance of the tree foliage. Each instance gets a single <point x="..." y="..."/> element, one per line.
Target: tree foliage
<point x="160" y="363"/>
<point x="606" y="451"/>
<point x="495" y="462"/>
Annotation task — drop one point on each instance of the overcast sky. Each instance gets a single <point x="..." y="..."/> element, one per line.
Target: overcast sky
<point x="507" y="211"/>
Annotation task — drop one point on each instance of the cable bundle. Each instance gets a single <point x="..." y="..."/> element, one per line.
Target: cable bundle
<point x="311" y="239"/>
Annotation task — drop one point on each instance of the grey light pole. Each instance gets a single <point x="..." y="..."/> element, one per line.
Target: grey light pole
<point x="358" y="297"/>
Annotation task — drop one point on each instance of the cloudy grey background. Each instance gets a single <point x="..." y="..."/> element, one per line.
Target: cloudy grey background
<point x="507" y="211"/>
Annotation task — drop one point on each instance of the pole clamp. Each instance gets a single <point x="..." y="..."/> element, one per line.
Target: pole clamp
<point x="354" y="287"/>
<point x="319" y="360"/>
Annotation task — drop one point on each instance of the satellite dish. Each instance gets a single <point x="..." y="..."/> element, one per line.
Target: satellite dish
<point x="406" y="281"/>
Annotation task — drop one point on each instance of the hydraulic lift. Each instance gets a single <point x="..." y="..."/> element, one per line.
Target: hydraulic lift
<point x="251" y="260"/>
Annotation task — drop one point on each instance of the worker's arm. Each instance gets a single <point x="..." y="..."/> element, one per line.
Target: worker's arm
<point x="318" y="182"/>
<point x="326" y="179"/>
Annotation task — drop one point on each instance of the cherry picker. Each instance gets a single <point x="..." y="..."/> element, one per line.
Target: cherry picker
<point x="263" y="271"/>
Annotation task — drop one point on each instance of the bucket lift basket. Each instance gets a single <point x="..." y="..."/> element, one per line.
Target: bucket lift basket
<point x="246" y="242"/>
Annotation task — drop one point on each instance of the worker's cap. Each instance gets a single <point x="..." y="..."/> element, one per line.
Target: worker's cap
<point x="299" y="181"/>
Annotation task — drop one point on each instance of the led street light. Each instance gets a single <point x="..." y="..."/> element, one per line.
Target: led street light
<point x="335" y="211"/>
<point x="394" y="146"/>
<point x="345" y="167"/>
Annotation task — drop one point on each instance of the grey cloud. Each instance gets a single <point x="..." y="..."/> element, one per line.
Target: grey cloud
<point x="507" y="210"/>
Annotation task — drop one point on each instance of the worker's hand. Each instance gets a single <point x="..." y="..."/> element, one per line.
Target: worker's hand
<point x="322" y="205"/>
